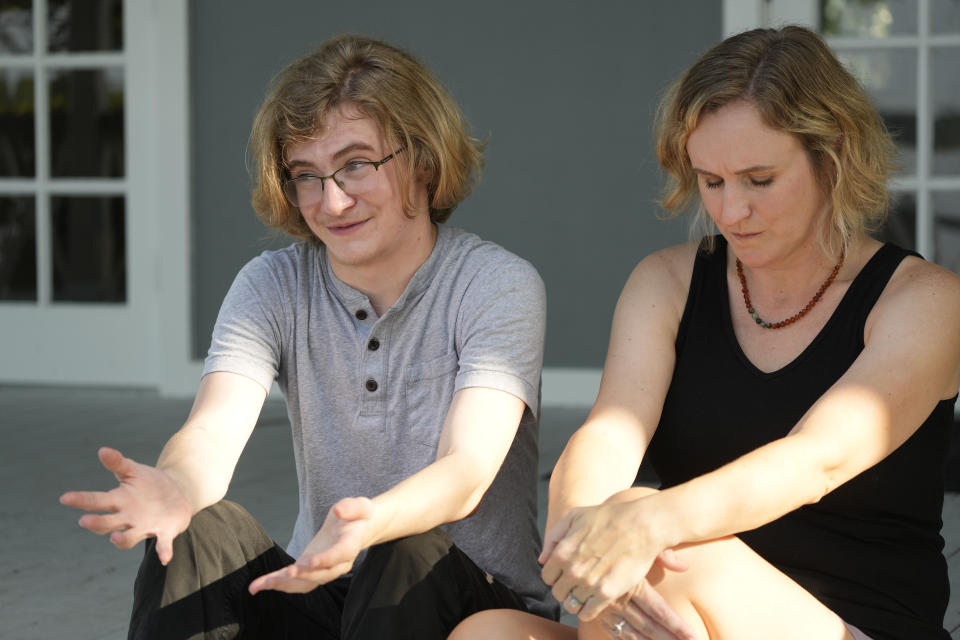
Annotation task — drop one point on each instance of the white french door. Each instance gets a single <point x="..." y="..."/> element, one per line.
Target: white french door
<point x="906" y="53"/>
<point x="80" y="269"/>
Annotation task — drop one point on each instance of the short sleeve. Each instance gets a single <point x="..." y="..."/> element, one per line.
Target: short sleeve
<point x="500" y="331"/>
<point x="247" y="338"/>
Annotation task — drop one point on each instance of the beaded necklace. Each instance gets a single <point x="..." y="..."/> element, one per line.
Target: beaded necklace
<point x="783" y="323"/>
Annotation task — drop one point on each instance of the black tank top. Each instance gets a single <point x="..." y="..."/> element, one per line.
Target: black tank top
<point x="870" y="550"/>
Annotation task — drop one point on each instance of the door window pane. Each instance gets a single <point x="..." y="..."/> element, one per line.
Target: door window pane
<point x="86" y="123"/>
<point x="901" y="226"/>
<point x="945" y="16"/>
<point x="890" y="76"/>
<point x="944" y="62"/>
<point x="89" y="249"/>
<point x="868" y="18"/>
<point x="18" y="252"/>
<point x="946" y="220"/>
<point x="17" y="150"/>
<point x="85" y="25"/>
<point x="16" y="26"/>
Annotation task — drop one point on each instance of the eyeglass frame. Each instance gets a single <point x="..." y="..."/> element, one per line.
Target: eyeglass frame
<point x="376" y="164"/>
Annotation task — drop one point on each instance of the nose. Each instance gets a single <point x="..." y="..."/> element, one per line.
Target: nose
<point x="335" y="200"/>
<point x="735" y="205"/>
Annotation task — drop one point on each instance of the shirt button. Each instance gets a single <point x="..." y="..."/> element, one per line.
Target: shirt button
<point x="371" y="385"/>
<point x="373" y="345"/>
<point x="361" y="314"/>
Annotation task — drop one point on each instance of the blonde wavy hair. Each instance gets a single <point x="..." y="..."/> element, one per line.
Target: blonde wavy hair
<point x="386" y="84"/>
<point x="797" y="84"/>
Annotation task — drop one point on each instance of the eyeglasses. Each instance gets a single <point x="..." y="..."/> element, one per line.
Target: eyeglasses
<point x="354" y="178"/>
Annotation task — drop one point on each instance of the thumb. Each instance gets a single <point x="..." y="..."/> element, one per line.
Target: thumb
<point x="354" y="509"/>
<point x="670" y="560"/>
<point x="164" y="550"/>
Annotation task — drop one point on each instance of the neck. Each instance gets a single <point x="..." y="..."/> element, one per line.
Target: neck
<point x="383" y="282"/>
<point x="792" y="277"/>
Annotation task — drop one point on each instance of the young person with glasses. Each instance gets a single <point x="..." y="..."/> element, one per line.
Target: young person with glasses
<point x="409" y="354"/>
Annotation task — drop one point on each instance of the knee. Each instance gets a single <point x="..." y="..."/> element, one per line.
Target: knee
<point x="509" y="624"/>
<point x="223" y="530"/>
<point x="486" y="624"/>
<point x="707" y="562"/>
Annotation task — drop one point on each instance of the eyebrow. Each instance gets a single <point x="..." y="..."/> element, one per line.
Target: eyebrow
<point x="350" y="148"/>
<point x="753" y="169"/>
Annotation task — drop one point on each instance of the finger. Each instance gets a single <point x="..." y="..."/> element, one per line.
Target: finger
<point x="602" y="597"/>
<point x="613" y="581"/>
<point x="280" y="581"/>
<point x="559" y="561"/>
<point x="113" y="460"/>
<point x="563" y="588"/>
<point x="553" y="536"/>
<point x="261" y="583"/>
<point x="336" y="554"/>
<point x="164" y="549"/>
<point x="126" y="539"/>
<point x="618" y="627"/>
<point x="640" y="627"/>
<point x="319" y="577"/>
<point x="88" y="500"/>
<point x="101" y="524"/>
<point x="648" y="607"/>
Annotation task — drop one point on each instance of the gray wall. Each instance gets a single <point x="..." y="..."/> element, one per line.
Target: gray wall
<point x="565" y="91"/>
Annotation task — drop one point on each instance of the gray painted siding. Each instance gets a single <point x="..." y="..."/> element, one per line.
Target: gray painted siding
<point x="564" y="90"/>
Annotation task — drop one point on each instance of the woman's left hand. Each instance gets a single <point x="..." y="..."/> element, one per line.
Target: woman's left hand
<point x="594" y="555"/>
<point x="644" y="615"/>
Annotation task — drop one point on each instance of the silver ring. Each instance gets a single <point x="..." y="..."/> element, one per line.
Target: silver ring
<point x="618" y="628"/>
<point x="573" y="602"/>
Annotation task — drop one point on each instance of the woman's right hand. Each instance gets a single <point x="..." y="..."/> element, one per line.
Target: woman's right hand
<point x="146" y="503"/>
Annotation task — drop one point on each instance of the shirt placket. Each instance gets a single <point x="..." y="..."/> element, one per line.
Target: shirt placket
<point x="373" y="369"/>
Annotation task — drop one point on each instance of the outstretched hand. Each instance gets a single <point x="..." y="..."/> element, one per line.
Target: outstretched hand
<point x="329" y="555"/>
<point x="146" y="503"/>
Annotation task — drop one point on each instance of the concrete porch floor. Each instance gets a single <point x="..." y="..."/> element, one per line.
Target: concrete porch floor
<point x="58" y="581"/>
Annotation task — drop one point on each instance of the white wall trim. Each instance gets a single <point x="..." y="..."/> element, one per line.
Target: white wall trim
<point x="740" y="15"/>
<point x="570" y="387"/>
<point x="179" y="372"/>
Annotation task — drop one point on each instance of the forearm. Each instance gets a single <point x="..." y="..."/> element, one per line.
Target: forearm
<point x="597" y="462"/>
<point x="201" y="456"/>
<point x="754" y="490"/>
<point x="442" y="492"/>
<point x="200" y="464"/>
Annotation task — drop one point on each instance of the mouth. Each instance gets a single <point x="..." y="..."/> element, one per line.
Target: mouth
<point x="345" y="228"/>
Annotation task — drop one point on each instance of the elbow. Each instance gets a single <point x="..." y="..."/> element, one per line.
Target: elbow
<point x="470" y="504"/>
<point x="472" y="490"/>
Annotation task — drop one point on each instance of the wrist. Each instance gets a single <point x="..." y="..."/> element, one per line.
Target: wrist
<point x="652" y="514"/>
<point x="180" y="484"/>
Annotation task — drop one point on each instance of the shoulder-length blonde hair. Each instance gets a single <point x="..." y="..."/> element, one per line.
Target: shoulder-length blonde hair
<point x="389" y="86"/>
<point x="798" y="86"/>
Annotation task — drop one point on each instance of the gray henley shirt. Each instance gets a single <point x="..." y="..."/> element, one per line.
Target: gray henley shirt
<point x="367" y="395"/>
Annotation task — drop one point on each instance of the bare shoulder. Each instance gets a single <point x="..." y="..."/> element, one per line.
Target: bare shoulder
<point x="918" y="314"/>
<point x="922" y="287"/>
<point x="664" y="274"/>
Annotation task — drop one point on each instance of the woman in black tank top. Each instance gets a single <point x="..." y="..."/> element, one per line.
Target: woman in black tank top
<point x="791" y="379"/>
